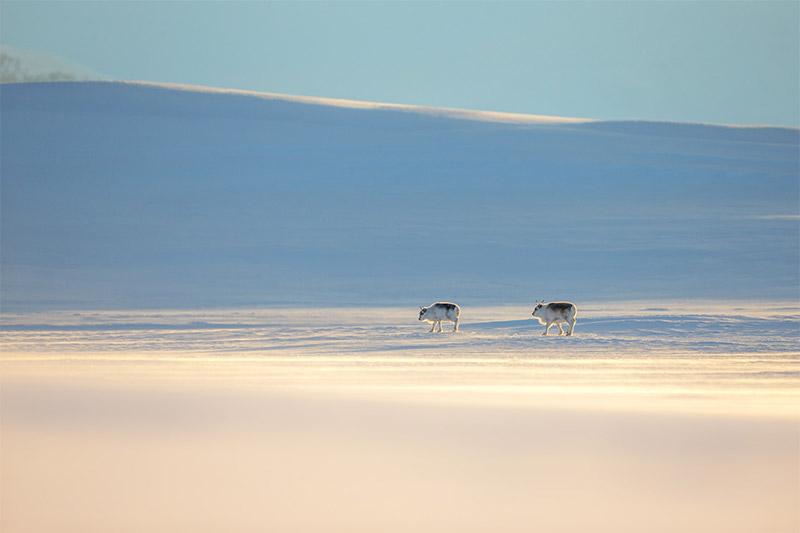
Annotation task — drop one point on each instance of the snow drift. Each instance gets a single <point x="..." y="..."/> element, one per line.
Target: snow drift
<point x="126" y="195"/>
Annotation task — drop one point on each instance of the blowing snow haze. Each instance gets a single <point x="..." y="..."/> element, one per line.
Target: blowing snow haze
<point x="126" y="195"/>
<point x="20" y="65"/>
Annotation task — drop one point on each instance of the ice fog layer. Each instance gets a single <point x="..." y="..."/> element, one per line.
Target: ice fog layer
<point x="127" y="195"/>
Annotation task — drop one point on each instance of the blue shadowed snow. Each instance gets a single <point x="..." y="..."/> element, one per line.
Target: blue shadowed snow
<point x="127" y="195"/>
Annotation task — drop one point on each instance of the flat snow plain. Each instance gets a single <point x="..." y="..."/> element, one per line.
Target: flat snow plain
<point x="734" y="358"/>
<point x="657" y="417"/>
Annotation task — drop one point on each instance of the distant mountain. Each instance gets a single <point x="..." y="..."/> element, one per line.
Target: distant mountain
<point x="20" y="65"/>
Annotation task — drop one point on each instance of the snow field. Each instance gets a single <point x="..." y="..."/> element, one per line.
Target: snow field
<point x="686" y="362"/>
<point x="142" y="196"/>
<point x="251" y="418"/>
<point x="209" y="317"/>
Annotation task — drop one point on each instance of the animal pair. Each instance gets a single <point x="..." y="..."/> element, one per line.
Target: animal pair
<point x="548" y="314"/>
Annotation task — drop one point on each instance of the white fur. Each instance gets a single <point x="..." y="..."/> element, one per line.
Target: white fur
<point x="436" y="313"/>
<point x="556" y="313"/>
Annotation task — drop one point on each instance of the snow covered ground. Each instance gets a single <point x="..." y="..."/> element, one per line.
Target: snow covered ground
<point x="738" y="359"/>
<point x="127" y="195"/>
<point x="651" y="417"/>
<point x="209" y="317"/>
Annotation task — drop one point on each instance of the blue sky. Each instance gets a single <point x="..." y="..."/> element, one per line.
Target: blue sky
<point x="718" y="61"/>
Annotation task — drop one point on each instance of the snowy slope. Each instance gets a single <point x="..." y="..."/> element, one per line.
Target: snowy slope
<point x="128" y="195"/>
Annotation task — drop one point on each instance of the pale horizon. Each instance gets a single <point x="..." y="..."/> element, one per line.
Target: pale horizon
<point x="697" y="62"/>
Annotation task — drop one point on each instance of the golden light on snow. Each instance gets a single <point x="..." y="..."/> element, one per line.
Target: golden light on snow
<point x="360" y="420"/>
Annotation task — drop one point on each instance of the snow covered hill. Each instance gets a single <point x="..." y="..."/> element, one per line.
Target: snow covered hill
<point x="133" y="195"/>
